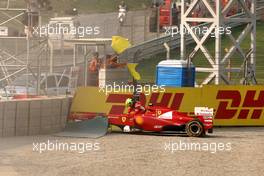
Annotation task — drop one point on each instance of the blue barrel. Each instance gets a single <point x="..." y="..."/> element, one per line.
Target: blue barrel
<point x="175" y="73"/>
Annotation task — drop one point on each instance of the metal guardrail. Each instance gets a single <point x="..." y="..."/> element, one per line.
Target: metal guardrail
<point x="155" y="46"/>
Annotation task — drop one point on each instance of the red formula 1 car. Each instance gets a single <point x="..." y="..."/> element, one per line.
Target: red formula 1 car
<point x="139" y="118"/>
<point x="161" y="119"/>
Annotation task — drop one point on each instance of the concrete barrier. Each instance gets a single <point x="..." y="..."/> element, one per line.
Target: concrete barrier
<point x="33" y="116"/>
<point x="119" y="76"/>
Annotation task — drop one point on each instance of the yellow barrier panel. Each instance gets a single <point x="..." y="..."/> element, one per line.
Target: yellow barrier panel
<point x="234" y="105"/>
<point x="89" y="99"/>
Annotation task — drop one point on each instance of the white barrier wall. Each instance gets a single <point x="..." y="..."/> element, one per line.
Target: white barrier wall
<point x="119" y="76"/>
<point x="33" y="116"/>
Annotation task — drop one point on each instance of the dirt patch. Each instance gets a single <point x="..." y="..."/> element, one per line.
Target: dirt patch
<point x="125" y="154"/>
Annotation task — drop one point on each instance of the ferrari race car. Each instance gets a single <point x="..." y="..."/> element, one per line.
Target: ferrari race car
<point x="146" y="119"/>
<point x="162" y="119"/>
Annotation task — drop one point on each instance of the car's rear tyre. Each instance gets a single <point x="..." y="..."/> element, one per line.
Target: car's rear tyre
<point x="194" y="128"/>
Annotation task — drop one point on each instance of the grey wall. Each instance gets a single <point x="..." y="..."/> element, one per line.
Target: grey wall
<point x="33" y="117"/>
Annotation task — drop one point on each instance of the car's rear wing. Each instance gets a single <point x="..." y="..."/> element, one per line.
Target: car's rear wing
<point x="204" y="111"/>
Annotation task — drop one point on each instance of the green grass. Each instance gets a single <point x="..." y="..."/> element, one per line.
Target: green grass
<point x="60" y="7"/>
<point x="147" y="67"/>
<point x="96" y="6"/>
<point x="86" y="6"/>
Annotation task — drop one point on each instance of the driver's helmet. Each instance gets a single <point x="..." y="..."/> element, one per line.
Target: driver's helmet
<point x="129" y="102"/>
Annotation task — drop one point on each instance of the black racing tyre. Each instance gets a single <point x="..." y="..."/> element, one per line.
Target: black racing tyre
<point x="194" y="128"/>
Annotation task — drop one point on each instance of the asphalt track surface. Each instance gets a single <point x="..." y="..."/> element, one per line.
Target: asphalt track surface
<point x="126" y="154"/>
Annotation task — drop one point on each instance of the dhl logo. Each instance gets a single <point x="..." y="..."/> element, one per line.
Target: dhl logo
<point x="231" y="103"/>
<point x="165" y="100"/>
